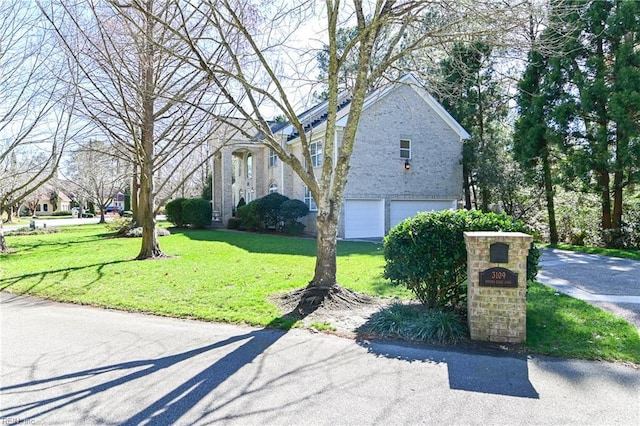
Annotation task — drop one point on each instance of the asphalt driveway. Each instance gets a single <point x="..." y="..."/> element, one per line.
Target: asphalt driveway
<point x="608" y="282"/>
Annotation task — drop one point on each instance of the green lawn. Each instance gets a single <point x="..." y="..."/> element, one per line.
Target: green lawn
<point x="214" y="275"/>
<point x="228" y="276"/>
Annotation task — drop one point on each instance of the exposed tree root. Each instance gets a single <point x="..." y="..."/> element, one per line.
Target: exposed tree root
<point x="153" y="255"/>
<point x="334" y="297"/>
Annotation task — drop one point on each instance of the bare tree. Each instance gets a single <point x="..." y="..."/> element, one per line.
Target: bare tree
<point x="386" y="32"/>
<point x="95" y="173"/>
<point x="140" y="91"/>
<point x="34" y="111"/>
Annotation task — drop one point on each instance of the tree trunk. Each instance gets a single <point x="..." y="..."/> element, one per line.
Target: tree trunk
<point x="324" y="278"/>
<point x="135" y="196"/>
<point x="617" y="199"/>
<point x="467" y="187"/>
<point x="150" y="249"/>
<point x="3" y="243"/>
<point x="102" y="218"/>
<point x="606" y="200"/>
<point x="549" y="195"/>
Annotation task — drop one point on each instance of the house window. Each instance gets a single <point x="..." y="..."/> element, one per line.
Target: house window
<point x="273" y="187"/>
<point x="273" y="158"/>
<point x="316" y="154"/>
<point x="405" y="149"/>
<point x="309" y="201"/>
<point x="45" y="207"/>
<point x="249" y="166"/>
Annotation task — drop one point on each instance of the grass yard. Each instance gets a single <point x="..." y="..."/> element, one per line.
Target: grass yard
<point x="229" y="276"/>
<point x="214" y="276"/>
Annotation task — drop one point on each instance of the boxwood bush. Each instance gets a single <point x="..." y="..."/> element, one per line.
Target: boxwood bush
<point x="197" y="212"/>
<point x="250" y="217"/>
<point x="427" y="253"/>
<point x="173" y="209"/>
<point x="273" y="211"/>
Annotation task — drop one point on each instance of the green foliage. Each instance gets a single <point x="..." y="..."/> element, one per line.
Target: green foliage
<point x="234" y="223"/>
<point x="241" y="203"/>
<point x="174" y="210"/>
<point x="294" y="228"/>
<point x="417" y="323"/>
<point x="207" y="189"/>
<point x="627" y="236"/>
<point x="427" y="253"/>
<point x="291" y="211"/>
<point x="578" y="218"/>
<point x="197" y="212"/>
<point x="269" y="209"/>
<point x="250" y="216"/>
<point x="61" y="213"/>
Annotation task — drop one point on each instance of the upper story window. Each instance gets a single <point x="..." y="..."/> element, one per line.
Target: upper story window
<point x="405" y="149"/>
<point x="273" y="158"/>
<point x="316" y="154"/>
<point x="249" y="166"/>
<point x="309" y="201"/>
<point x="273" y="187"/>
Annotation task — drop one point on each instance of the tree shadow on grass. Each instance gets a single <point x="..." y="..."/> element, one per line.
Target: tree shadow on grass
<point x="275" y="243"/>
<point x="7" y="282"/>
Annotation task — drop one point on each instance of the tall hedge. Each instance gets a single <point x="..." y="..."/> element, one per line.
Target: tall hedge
<point x="173" y="209"/>
<point x="427" y="253"/>
<point x="197" y="212"/>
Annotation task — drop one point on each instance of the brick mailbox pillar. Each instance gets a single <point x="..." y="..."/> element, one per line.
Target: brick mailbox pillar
<point x="497" y="285"/>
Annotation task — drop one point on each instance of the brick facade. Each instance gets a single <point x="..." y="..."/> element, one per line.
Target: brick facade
<point x="497" y="314"/>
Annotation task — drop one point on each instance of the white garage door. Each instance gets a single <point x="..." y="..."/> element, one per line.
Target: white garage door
<point x="363" y="218"/>
<point x="402" y="209"/>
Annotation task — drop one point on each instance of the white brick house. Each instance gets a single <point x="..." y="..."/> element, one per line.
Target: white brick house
<point x="407" y="158"/>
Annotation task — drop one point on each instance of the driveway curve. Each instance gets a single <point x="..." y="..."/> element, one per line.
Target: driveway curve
<point x="610" y="283"/>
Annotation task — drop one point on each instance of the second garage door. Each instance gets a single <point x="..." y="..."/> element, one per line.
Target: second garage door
<point x="402" y="209"/>
<point x="363" y="218"/>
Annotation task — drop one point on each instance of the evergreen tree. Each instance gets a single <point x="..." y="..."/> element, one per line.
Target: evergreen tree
<point x="600" y="121"/>
<point x="474" y="96"/>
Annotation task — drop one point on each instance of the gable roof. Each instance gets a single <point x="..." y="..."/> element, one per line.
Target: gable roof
<point x="317" y="115"/>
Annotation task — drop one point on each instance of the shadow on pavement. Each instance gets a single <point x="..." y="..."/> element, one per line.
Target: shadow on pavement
<point x="484" y="373"/>
<point x="168" y="408"/>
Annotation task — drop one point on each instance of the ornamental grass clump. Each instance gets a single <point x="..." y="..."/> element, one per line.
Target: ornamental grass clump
<point x="427" y="254"/>
<point x="417" y="323"/>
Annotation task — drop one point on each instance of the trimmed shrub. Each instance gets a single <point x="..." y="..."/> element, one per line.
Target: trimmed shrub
<point x="290" y="212"/>
<point x="197" y="212"/>
<point x="61" y="213"/>
<point x="174" y="211"/>
<point x="269" y="209"/>
<point x="241" y="203"/>
<point x="427" y="253"/>
<point x="250" y="216"/>
<point x="234" y="223"/>
<point x="294" y="228"/>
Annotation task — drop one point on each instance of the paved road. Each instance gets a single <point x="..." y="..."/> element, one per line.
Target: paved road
<point x="51" y="223"/>
<point x="608" y="282"/>
<point x="66" y="364"/>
